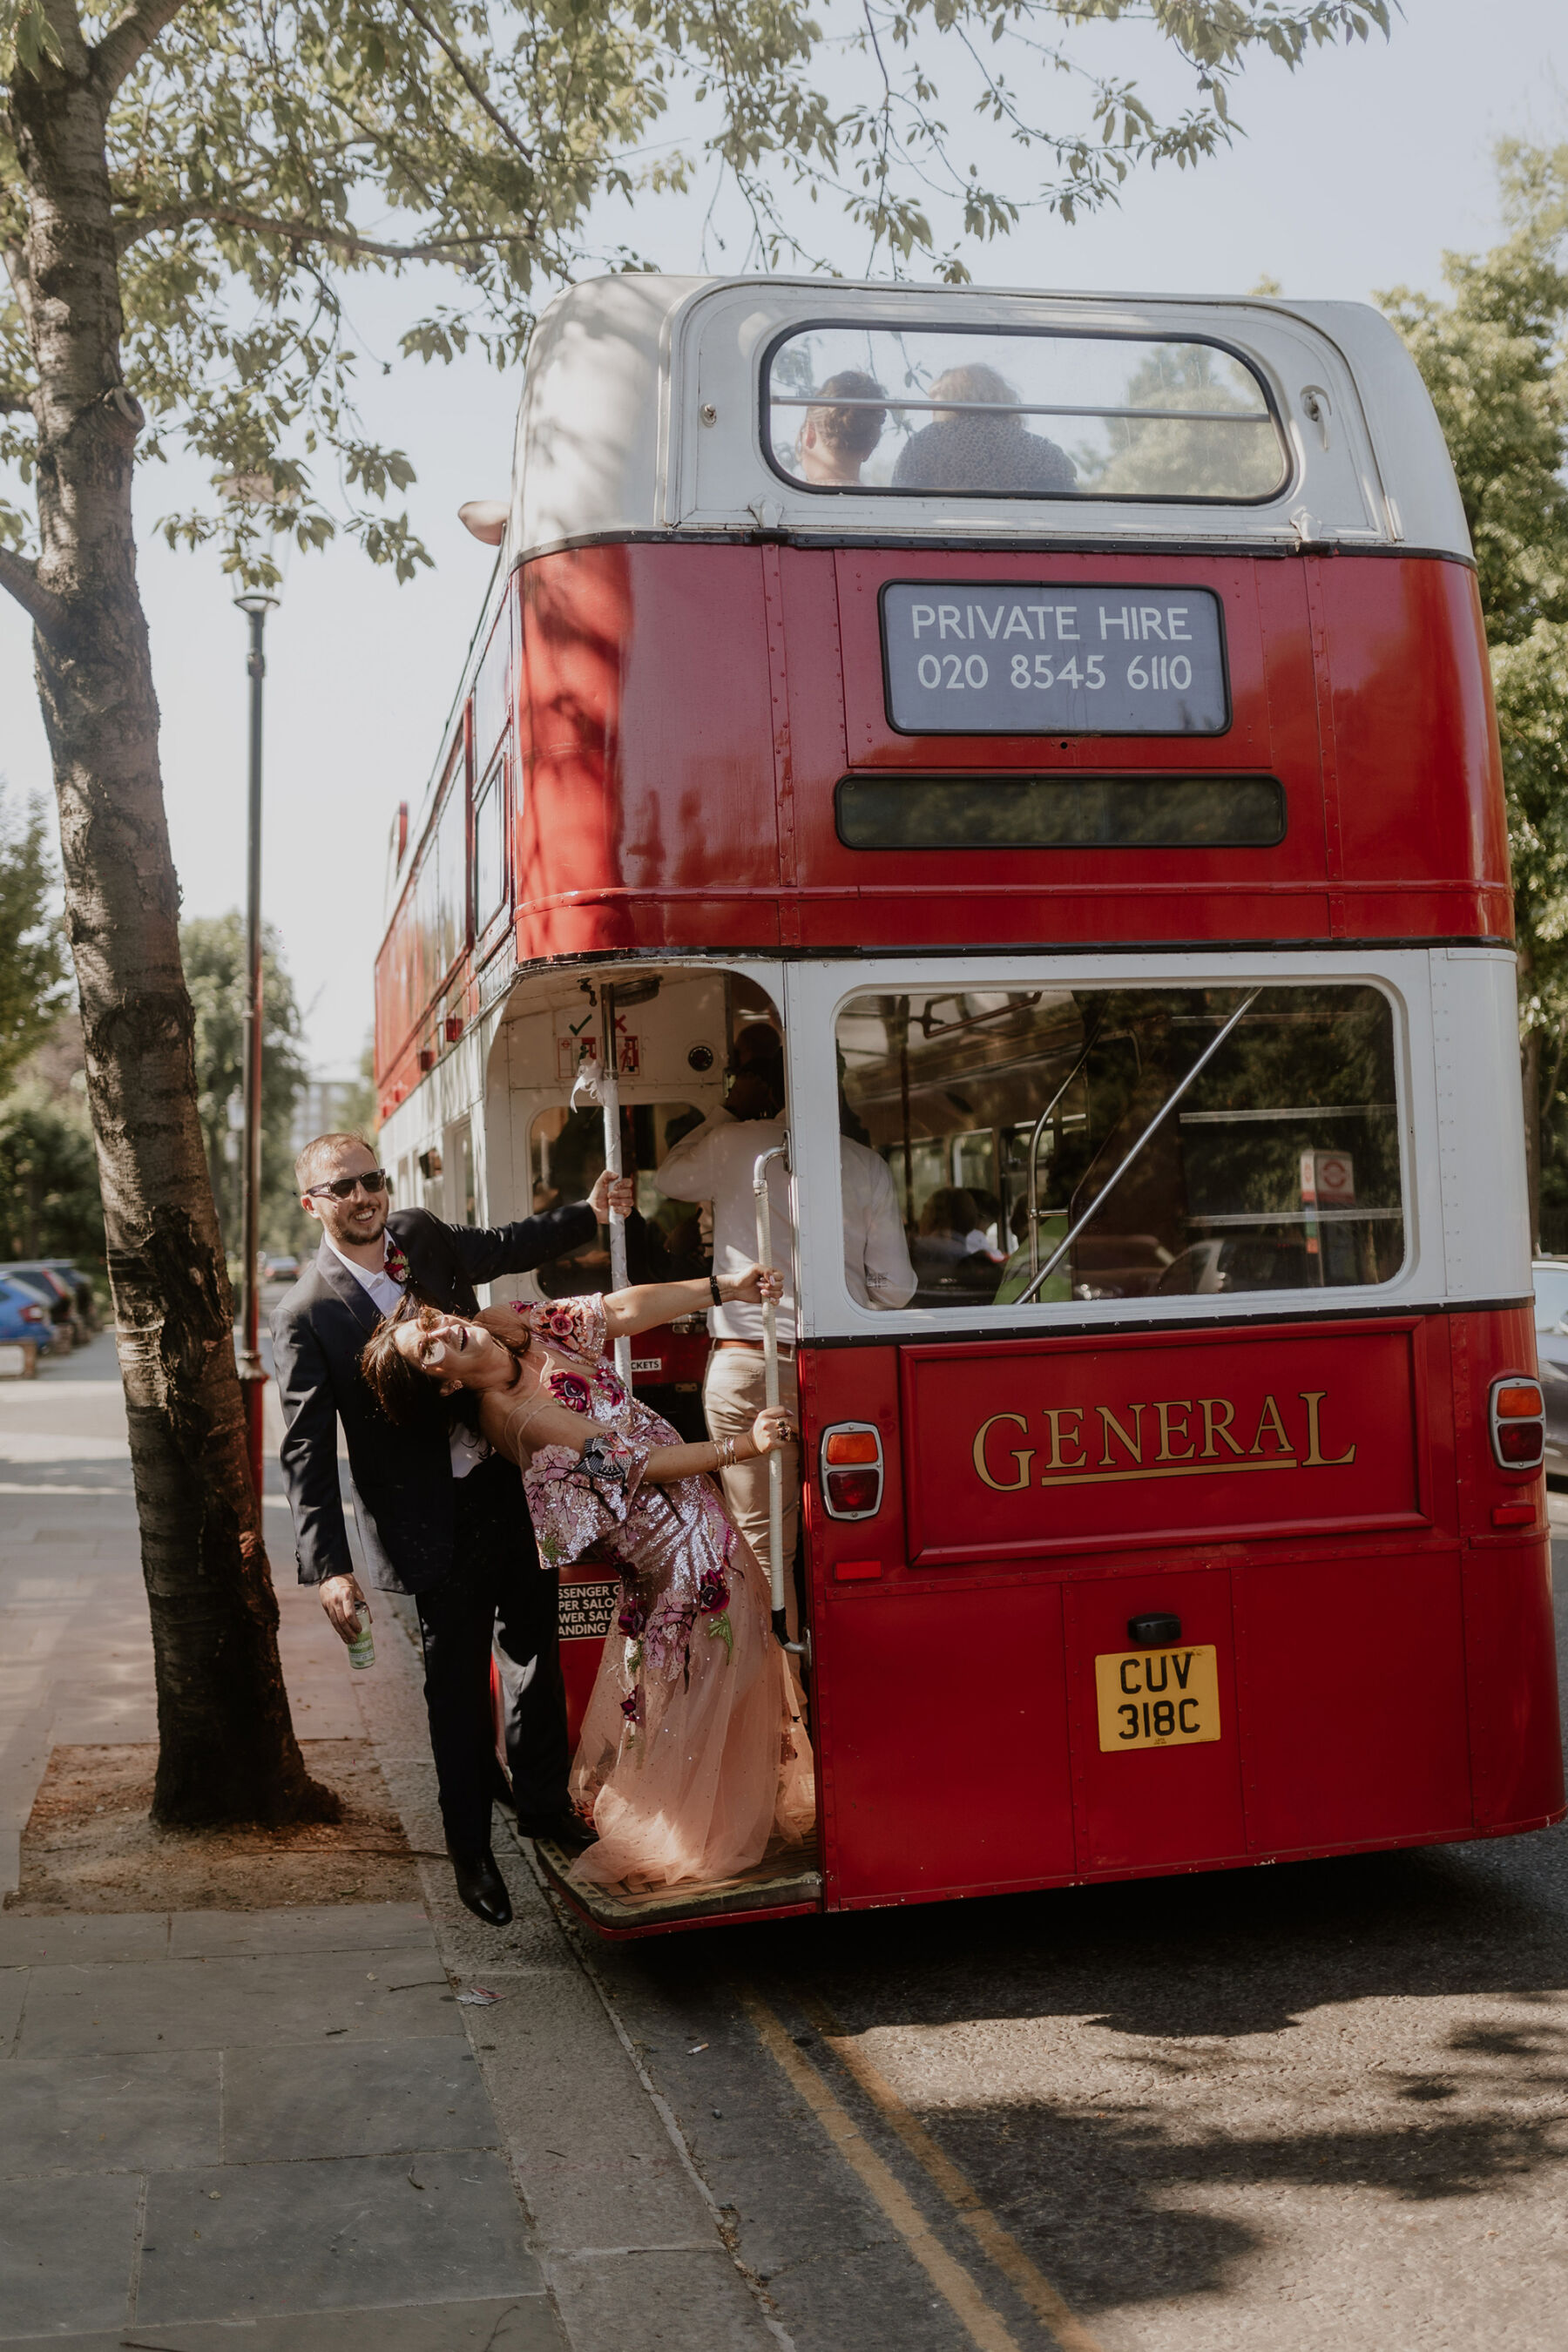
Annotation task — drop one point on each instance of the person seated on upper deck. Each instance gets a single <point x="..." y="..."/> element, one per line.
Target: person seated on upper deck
<point x="834" y="442"/>
<point x="981" y="443"/>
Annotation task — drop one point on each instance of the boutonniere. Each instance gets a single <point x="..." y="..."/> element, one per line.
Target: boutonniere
<point x="396" y="1263"/>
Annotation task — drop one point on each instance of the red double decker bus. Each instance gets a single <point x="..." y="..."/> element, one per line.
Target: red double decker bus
<point x="1066" y="718"/>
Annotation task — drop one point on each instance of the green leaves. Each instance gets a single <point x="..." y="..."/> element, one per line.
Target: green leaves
<point x="33" y="986"/>
<point x="265" y="154"/>
<point x="29" y="41"/>
<point x="1494" y="356"/>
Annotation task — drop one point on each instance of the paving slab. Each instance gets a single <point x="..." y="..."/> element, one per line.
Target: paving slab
<point x="241" y="2241"/>
<point x="12" y="1997"/>
<point x="28" y="1941"/>
<point x="514" y="2323"/>
<point x="369" y="1995"/>
<point x="301" y="1928"/>
<point x="353" y="2099"/>
<point x="66" y="2261"/>
<point x="139" y="2113"/>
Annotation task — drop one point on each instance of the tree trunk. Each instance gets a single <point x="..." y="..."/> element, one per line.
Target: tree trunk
<point x="228" y="1749"/>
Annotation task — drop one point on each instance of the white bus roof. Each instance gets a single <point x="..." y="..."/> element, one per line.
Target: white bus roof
<point x="641" y="417"/>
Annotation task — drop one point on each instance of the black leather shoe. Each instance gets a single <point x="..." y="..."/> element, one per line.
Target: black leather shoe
<point x="568" y="1829"/>
<point x="482" y="1887"/>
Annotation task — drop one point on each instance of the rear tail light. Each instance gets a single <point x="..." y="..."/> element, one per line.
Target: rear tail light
<point x="34" y="1315"/>
<point x="851" y="1468"/>
<point x="1517" y="1419"/>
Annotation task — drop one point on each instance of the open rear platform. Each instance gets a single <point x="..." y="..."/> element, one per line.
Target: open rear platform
<point x="787" y="1878"/>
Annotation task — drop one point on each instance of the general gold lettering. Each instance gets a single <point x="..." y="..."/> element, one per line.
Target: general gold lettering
<point x="922" y="616"/>
<point x="1168" y="1429"/>
<point x="1269" y="1419"/>
<point x="1056" y="1460"/>
<point x="1218" y="1412"/>
<point x="1023" y="1456"/>
<point x="1316" y="1458"/>
<point x="1134" y="1444"/>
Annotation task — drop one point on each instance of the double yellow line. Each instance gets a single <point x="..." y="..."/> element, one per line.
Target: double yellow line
<point x="986" y="2328"/>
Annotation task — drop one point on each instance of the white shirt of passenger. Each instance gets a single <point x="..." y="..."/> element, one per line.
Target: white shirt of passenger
<point x="716" y="1161"/>
<point x="468" y="1448"/>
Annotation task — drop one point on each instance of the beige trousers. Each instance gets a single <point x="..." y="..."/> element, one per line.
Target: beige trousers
<point x="733" y="1394"/>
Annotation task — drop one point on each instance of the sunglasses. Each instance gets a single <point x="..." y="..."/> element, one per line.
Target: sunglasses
<point x="374" y="1179"/>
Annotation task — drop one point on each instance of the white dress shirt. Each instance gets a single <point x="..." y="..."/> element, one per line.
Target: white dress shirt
<point x="468" y="1448"/>
<point x="715" y="1162"/>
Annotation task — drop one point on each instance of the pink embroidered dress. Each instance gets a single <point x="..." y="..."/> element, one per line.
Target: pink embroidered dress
<point x="692" y="1758"/>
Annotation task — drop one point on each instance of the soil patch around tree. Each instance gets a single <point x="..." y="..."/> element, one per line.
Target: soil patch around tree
<point x="90" y="1845"/>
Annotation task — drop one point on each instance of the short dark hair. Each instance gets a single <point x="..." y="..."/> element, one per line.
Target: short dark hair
<point x="319" y="1155"/>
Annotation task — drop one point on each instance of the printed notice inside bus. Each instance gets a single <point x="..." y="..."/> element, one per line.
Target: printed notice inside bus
<point x="1046" y="660"/>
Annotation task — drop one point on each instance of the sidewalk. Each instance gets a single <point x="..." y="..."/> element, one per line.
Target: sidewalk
<point x="288" y="2120"/>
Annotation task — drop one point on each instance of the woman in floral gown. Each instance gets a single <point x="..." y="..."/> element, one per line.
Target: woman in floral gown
<point x="692" y="1756"/>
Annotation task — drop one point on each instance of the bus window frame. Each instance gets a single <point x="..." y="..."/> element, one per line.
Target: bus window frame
<point x="1070" y="499"/>
<point x="815" y="998"/>
<point x="488" y="936"/>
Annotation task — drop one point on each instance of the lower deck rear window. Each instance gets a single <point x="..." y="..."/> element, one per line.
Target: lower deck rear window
<point x="1060" y="812"/>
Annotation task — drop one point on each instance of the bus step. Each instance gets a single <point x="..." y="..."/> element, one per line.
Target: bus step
<point x="786" y="1878"/>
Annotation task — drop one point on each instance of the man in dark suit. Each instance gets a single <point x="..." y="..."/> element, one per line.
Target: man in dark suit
<point x="441" y="1515"/>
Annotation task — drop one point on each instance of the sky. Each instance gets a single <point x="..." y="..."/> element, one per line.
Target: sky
<point x="1357" y="174"/>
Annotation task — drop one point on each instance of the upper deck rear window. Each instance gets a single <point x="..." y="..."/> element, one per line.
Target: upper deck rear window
<point x="930" y="411"/>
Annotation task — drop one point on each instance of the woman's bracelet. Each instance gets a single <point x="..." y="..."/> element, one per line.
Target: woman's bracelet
<point x="725" y="1449"/>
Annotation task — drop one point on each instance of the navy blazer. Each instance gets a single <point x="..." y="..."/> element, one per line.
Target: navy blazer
<point x="402" y="1478"/>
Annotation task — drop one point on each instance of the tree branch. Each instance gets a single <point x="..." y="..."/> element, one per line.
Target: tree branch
<point x="127" y="40"/>
<point x="15" y="403"/>
<point x="302" y="231"/>
<point x="469" y="80"/>
<point x="41" y="605"/>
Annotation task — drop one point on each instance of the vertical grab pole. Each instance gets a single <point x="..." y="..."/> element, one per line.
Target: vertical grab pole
<point x="610" y="1098"/>
<point x="770" y="1371"/>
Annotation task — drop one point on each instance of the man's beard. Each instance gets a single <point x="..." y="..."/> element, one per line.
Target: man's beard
<point x="357" y="1230"/>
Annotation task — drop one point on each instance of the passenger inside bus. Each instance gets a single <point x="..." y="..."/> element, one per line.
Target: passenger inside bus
<point x="981" y="442"/>
<point x="835" y="442"/>
<point x="1117" y="1168"/>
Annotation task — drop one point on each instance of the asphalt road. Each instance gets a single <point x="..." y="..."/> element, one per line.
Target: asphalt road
<point x="1307" y="2105"/>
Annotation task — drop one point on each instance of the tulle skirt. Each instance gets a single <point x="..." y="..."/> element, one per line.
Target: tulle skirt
<point x="693" y="1759"/>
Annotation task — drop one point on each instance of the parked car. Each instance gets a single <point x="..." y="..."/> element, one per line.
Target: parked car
<point x="83" y="1286"/>
<point x="55" y="1294"/>
<point x="279" y="1266"/>
<point x="25" y="1323"/>
<point x="1551" y="1277"/>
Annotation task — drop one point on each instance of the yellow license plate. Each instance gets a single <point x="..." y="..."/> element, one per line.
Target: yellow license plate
<point x="1157" y="1698"/>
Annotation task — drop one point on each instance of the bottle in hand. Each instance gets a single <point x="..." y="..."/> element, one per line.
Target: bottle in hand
<point x="362" y="1649"/>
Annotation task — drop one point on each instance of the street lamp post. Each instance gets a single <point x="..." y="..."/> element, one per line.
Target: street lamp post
<point x="256" y="605"/>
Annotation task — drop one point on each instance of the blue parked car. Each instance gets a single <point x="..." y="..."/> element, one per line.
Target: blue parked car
<point x="24" y="1317"/>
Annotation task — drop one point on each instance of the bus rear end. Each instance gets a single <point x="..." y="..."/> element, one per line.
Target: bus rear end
<point x="1066" y="718"/>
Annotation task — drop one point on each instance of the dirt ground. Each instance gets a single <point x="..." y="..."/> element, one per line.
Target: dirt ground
<point x="88" y="1845"/>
